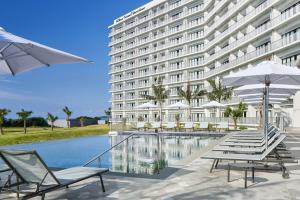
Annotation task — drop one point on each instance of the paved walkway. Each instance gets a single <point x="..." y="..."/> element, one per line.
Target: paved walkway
<point x="191" y="181"/>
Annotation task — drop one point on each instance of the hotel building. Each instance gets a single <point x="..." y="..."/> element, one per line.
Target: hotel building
<point x="191" y="41"/>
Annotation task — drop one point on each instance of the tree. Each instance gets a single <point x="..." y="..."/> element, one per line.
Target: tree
<point x="68" y="115"/>
<point x="219" y="92"/>
<point x="160" y="94"/>
<point x="51" y="118"/>
<point x="235" y="113"/>
<point x="189" y="95"/>
<point x="82" y="120"/>
<point x="23" y="115"/>
<point x="3" y="113"/>
<point x="108" y="114"/>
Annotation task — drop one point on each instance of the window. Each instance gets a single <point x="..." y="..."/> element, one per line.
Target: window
<point x="291" y="60"/>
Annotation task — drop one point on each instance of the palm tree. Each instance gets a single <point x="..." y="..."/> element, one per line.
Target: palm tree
<point x="82" y="120"/>
<point x="108" y="114"/>
<point x="189" y="95"/>
<point x="3" y="113"/>
<point x="160" y="94"/>
<point x="235" y="113"/>
<point x="23" y="115"/>
<point x="219" y="92"/>
<point x="68" y="115"/>
<point x="51" y="118"/>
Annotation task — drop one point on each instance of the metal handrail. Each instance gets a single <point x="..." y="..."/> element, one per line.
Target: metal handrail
<point x="98" y="157"/>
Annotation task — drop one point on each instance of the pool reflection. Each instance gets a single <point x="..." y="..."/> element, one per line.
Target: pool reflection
<point x="148" y="154"/>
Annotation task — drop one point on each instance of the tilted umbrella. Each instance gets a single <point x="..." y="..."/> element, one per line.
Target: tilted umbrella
<point x="147" y="105"/>
<point x="266" y="73"/>
<point x="19" y="55"/>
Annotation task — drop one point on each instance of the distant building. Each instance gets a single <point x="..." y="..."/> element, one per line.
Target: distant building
<point x="62" y="123"/>
<point x="181" y="41"/>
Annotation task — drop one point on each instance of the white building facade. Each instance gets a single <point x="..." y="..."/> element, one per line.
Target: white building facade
<point x="191" y="41"/>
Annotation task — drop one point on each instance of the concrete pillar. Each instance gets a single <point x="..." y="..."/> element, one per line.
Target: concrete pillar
<point x="240" y="53"/>
<point x="231" y="40"/>
<point x="239" y="35"/>
<point x="249" y="9"/>
<point x="250" y="28"/>
<point x="250" y="48"/>
<point x="232" y="57"/>
<point x="231" y="22"/>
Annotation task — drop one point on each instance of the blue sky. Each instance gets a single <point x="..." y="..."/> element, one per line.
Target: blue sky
<point x="75" y="26"/>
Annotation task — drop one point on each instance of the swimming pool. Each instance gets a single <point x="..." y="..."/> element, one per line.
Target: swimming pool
<point x="141" y="154"/>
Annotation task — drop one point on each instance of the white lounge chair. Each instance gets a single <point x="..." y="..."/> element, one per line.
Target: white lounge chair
<point x="29" y="168"/>
<point x="171" y="125"/>
<point x="203" y="125"/>
<point x="189" y="126"/>
<point x="155" y="125"/>
<point x="223" y="125"/>
<point x="140" y="125"/>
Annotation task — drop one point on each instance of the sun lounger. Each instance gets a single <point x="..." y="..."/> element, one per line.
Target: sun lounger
<point x="251" y="143"/>
<point x="250" y="135"/>
<point x="171" y="125"/>
<point x="223" y="125"/>
<point x="155" y="125"/>
<point x="189" y="126"/>
<point x="29" y="168"/>
<point x="274" y="132"/>
<point x="203" y="125"/>
<point x="140" y="125"/>
<point x="242" y="156"/>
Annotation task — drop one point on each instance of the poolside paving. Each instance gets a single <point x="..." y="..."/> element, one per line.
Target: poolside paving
<point x="192" y="180"/>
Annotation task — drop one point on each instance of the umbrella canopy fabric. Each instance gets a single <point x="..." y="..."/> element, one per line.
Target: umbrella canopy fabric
<point x="19" y="55"/>
<point x="178" y="105"/>
<point x="274" y="88"/>
<point x="259" y="102"/>
<point x="147" y="105"/>
<point x="260" y="99"/>
<point x="243" y="96"/>
<point x="266" y="72"/>
<point x="213" y="104"/>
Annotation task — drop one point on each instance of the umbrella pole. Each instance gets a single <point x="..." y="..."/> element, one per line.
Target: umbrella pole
<point x="266" y="112"/>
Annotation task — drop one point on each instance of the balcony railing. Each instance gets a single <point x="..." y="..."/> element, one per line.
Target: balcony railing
<point x="247" y="38"/>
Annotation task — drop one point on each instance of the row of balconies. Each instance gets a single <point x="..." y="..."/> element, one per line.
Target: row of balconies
<point x="292" y="39"/>
<point x="233" y="27"/>
<point x="194" y="104"/>
<point x="170" y="20"/>
<point x="229" y="30"/>
<point x="160" y="12"/>
<point x="248" y="37"/>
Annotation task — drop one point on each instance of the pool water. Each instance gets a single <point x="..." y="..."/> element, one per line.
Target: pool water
<point x="142" y="154"/>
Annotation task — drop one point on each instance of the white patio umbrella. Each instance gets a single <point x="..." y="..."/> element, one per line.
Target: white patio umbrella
<point x="261" y="99"/>
<point x="256" y="102"/>
<point x="178" y="105"/>
<point x="267" y="73"/>
<point x="214" y="105"/>
<point x="260" y="88"/>
<point x="147" y="106"/>
<point x="243" y="96"/>
<point x="19" y="55"/>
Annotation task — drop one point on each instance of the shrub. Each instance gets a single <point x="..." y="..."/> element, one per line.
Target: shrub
<point x="242" y="127"/>
<point x="32" y="121"/>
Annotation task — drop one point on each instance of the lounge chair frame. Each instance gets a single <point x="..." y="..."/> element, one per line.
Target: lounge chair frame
<point x="41" y="192"/>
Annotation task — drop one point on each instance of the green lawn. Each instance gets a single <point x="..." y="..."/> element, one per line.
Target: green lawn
<point x="37" y="134"/>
